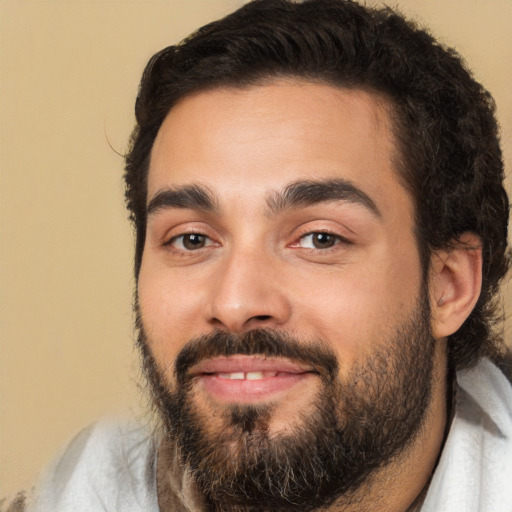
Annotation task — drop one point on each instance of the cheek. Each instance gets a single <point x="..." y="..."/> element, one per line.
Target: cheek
<point x="169" y="310"/>
<point x="337" y="311"/>
<point x="354" y="308"/>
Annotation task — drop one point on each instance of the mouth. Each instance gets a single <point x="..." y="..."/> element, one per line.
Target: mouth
<point x="249" y="379"/>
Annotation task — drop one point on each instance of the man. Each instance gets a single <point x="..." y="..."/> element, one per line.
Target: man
<point x="317" y="193"/>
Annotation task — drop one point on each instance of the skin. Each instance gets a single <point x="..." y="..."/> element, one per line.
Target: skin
<point x="258" y="266"/>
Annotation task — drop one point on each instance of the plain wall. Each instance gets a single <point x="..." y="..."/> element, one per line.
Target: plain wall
<point x="69" y="72"/>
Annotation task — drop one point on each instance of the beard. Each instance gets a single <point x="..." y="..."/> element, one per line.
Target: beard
<point x="352" y="427"/>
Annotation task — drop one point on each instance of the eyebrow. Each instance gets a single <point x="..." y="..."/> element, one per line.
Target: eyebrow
<point x="196" y="197"/>
<point x="310" y="192"/>
<point x="297" y="194"/>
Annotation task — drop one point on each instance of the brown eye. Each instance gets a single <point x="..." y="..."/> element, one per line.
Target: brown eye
<point x="190" y="242"/>
<point x="320" y="240"/>
<point x="323" y="240"/>
<point x="194" y="241"/>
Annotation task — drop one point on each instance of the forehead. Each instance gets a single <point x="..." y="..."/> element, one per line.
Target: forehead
<point x="262" y="138"/>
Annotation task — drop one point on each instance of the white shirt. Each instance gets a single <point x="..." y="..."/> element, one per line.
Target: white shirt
<point x="474" y="473"/>
<point x="108" y="467"/>
<point x="111" y="467"/>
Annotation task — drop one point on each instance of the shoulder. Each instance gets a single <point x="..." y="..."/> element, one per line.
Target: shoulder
<point x="108" y="466"/>
<point x="475" y="468"/>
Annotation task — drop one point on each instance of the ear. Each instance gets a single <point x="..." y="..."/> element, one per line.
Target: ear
<point x="455" y="283"/>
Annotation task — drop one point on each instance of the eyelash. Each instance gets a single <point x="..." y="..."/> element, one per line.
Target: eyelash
<point x="338" y="240"/>
<point x="171" y="241"/>
<point x="208" y="242"/>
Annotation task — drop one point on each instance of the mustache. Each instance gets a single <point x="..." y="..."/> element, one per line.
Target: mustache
<point x="258" y="342"/>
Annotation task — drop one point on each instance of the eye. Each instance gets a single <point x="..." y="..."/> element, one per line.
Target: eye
<point x="319" y="240"/>
<point x="190" y="242"/>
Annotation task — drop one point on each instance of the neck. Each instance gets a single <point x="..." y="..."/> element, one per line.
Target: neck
<point x="397" y="487"/>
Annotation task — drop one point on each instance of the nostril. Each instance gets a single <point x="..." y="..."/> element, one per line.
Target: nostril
<point x="261" y="317"/>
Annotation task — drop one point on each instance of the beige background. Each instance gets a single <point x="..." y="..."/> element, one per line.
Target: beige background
<point x="69" y="72"/>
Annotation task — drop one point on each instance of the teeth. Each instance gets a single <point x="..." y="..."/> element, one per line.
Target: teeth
<point x="259" y="375"/>
<point x="233" y="376"/>
<point x="247" y="375"/>
<point x="254" y="375"/>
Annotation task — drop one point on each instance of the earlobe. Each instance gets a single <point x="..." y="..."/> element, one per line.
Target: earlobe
<point x="455" y="283"/>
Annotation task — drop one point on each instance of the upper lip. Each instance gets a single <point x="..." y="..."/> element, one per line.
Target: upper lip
<point x="243" y="363"/>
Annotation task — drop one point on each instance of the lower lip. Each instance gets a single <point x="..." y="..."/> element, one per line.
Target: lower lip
<point x="250" y="391"/>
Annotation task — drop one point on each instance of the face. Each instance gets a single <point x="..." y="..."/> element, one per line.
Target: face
<point x="280" y="269"/>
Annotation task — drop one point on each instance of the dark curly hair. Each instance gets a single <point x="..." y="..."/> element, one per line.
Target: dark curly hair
<point x="449" y="153"/>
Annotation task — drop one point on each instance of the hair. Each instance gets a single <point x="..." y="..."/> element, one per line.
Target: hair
<point x="449" y="157"/>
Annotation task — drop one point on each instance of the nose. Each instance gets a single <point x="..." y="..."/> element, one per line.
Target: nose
<point x="247" y="293"/>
